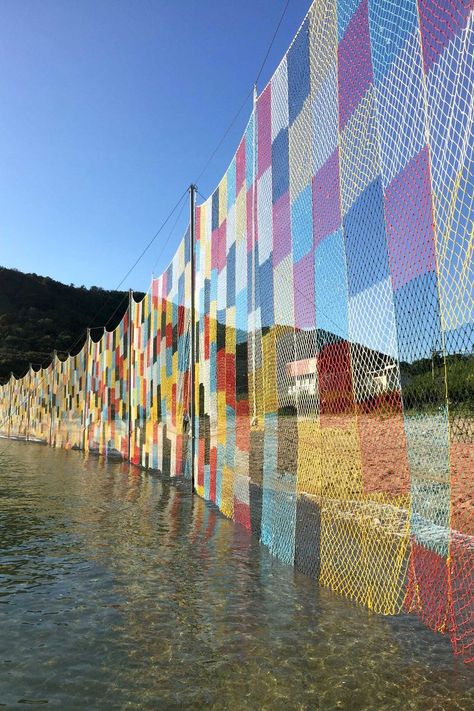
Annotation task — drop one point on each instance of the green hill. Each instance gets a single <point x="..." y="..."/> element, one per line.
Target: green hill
<point x="38" y="315"/>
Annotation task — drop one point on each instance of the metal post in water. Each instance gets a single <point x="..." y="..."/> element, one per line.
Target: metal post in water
<point x="10" y="405"/>
<point x="85" y="413"/>
<point x="51" y="401"/>
<point x="28" y="405"/>
<point x="192" y="240"/>
<point x="130" y="352"/>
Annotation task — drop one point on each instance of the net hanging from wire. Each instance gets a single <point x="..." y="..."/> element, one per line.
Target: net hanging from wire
<point x="334" y="328"/>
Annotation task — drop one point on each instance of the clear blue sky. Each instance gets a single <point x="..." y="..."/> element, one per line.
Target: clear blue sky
<point x="109" y="109"/>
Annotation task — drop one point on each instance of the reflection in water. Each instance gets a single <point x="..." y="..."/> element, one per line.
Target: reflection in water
<point x="121" y="590"/>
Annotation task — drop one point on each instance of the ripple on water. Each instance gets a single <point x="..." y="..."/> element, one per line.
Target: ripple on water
<point x="118" y="590"/>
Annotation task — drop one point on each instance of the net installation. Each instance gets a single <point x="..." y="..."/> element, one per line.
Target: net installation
<point x="308" y="355"/>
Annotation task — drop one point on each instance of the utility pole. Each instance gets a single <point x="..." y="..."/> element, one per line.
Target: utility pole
<point x="130" y="352"/>
<point x="192" y="239"/>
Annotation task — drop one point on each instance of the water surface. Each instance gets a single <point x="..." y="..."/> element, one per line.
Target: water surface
<point x="120" y="590"/>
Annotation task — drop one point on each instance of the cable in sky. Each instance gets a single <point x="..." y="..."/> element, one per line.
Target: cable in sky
<point x="239" y="111"/>
<point x="141" y="255"/>
<point x="139" y="258"/>
<point x="169" y="234"/>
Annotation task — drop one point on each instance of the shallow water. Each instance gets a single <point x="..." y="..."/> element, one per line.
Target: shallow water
<point x="119" y="590"/>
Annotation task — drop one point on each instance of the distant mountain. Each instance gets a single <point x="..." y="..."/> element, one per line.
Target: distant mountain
<point x="38" y="315"/>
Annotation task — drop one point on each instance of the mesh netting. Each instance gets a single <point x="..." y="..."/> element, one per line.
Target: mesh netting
<point x="160" y="357"/>
<point x="334" y="321"/>
<point x="347" y="221"/>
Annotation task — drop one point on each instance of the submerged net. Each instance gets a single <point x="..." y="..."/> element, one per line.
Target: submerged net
<point x="334" y="321"/>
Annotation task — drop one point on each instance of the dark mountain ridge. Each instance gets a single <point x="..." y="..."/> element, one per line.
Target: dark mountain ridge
<point x="39" y="315"/>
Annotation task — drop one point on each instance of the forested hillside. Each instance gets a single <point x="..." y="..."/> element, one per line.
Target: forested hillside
<point x="38" y="315"/>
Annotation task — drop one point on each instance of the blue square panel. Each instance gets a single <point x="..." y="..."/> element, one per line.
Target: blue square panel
<point x="231" y="276"/>
<point x="330" y="285"/>
<point x="280" y="165"/>
<point x="418" y="318"/>
<point x="231" y="191"/>
<point x="366" y="244"/>
<point x="391" y="24"/>
<point x="302" y="224"/>
<point x="298" y="72"/>
<point x="215" y="209"/>
<point x="266" y="293"/>
<point x="249" y="152"/>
